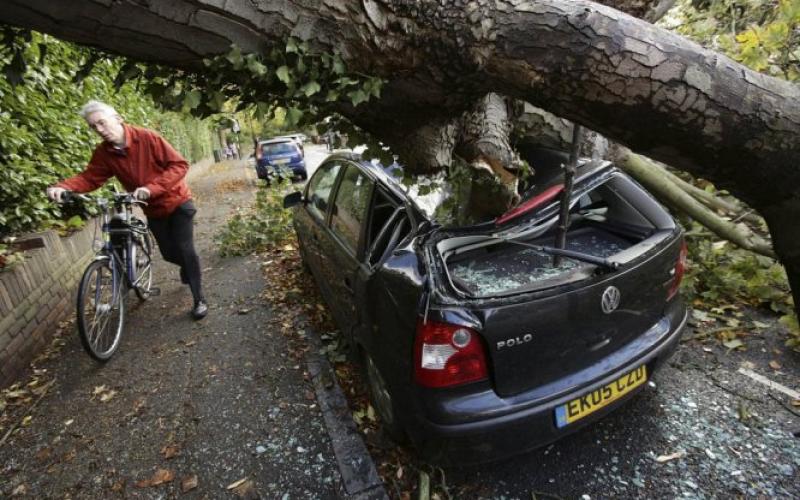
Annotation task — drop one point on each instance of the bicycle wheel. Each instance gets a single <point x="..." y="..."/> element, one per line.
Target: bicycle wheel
<point x="101" y="309"/>
<point x="143" y="265"/>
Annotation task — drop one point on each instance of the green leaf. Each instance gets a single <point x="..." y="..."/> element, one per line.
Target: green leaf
<point x="235" y="57"/>
<point x="191" y="100"/>
<point x="283" y="74"/>
<point x="255" y="67"/>
<point x="357" y="97"/>
<point x="338" y="65"/>
<point x="310" y="88"/>
<point x="293" y="116"/>
<point x="75" y="222"/>
<point x="291" y="46"/>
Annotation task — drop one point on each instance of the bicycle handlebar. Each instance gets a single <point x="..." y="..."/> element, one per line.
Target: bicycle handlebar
<point x="68" y="196"/>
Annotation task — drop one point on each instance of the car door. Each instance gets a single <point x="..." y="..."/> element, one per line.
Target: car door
<point x="341" y="251"/>
<point x="312" y="220"/>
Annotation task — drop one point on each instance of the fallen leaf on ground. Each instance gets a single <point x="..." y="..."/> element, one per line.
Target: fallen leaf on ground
<point x="236" y="484"/>
<point x="733" y="344"/>
<point x="18" y="394"/>
<point x="19" y="490"/>
<point x="99" y="390"/>
<point x="107" y="396"/>
<point x="118" y="486"/>
<point x="245" y="490"/>
<point x="43" y="454"/>
<point x="189" y="483"/>
<point x="161" y="476"/>
<point x="774" y="365"/>
<point x="170" y="451"/>
<point x="244" y="311"/>
<point x="672" y="456"/>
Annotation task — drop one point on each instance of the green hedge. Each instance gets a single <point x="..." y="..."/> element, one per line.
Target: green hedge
<point x="43" y="139"/>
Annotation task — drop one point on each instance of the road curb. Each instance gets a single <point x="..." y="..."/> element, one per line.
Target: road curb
<point x="359" y="475"/>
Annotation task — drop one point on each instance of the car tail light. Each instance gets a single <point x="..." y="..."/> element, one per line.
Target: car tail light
<point x="446" y="355"/>
<point x="679" y="271"/>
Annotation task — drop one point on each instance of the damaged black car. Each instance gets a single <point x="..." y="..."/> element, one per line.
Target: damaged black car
<point x="484" y="340"/>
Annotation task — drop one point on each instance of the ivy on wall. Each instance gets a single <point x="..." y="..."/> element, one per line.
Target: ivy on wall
<point x="42" y="137"/>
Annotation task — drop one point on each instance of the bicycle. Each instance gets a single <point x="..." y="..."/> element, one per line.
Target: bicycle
<point x="123" y="262"/>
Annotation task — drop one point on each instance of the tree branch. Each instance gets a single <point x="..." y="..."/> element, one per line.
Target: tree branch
<point x="652" y="176"/>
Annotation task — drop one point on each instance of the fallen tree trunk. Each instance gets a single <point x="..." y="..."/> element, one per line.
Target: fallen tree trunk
<point x="637" y="84"/>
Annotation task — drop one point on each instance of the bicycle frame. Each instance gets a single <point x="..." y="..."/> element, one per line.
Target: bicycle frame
<point x="121" y="205"/>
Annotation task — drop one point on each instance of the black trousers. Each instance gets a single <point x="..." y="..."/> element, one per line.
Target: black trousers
<point x="175" y="236"/>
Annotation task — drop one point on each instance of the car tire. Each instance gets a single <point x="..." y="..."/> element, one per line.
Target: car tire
<point x="381" y="399"/>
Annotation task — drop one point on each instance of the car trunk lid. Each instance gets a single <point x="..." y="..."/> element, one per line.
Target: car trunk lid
<point x="543" y="320"/>
<point x="537" y="341"/>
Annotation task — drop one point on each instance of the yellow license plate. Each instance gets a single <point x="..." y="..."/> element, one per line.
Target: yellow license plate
<point x="598" y="398"/>
<point x="282" y="161"/>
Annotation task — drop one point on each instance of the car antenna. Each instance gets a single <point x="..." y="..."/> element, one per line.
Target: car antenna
<point x="566" y="195"/>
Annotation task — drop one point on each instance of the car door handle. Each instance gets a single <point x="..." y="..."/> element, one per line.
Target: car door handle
<point x="348" y="284"/>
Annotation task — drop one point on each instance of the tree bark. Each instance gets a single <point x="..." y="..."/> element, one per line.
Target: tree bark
<point x="637" y="84"/>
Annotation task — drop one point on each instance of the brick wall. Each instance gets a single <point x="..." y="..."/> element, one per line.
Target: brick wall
<point x="38" y="293"/>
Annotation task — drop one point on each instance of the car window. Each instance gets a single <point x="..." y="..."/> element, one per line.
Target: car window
<point x="350" y="206"/>
<point x="280" y="148"/>
<point x="320" y="187"/>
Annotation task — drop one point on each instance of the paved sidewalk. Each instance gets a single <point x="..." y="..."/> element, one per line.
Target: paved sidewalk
<point x="220" y="403"/>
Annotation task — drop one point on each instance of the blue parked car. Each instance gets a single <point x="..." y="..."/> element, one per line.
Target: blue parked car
<point x="280" y="158"/>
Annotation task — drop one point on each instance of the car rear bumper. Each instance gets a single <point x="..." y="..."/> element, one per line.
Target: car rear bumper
<point x="501" y="427"/>
<point x="271" y="171"/>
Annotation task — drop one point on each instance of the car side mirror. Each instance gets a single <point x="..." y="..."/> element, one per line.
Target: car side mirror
<point x="292" y="199"/>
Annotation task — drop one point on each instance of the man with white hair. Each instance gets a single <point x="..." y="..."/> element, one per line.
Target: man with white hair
<point x="147" y="165"/>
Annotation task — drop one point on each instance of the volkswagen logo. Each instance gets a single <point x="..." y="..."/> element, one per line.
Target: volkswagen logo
<point x="610" y="299"/>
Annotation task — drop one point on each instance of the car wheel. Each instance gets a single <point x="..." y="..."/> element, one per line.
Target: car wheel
<point x="382" y="401"/>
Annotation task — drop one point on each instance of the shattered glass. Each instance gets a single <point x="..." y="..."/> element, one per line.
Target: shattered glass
<point x="506" y="267"/>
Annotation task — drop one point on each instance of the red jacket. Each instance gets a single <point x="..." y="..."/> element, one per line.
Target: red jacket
<point x="147" y="160"/>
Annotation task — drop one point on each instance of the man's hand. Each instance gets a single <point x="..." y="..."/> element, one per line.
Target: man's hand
<point x="142" y="193"/>
<point x="56" y="194"/>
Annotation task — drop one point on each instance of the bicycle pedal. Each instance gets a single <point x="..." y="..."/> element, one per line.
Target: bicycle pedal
<point x="155" y="291"/>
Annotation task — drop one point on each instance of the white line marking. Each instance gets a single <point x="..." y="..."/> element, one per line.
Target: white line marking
<point x="769" y="383"/>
